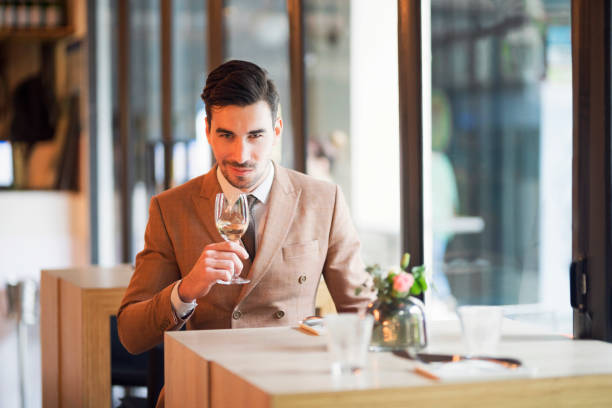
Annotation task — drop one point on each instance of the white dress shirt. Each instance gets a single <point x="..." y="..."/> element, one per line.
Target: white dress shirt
<point x="260" y="210"/>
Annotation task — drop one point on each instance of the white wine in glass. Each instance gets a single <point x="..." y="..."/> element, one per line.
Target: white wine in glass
<point x="231" y="231"/>
<point x="232" y="220"/>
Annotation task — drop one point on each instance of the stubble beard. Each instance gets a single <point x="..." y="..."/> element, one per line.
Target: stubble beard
<point x="244" y="183"/>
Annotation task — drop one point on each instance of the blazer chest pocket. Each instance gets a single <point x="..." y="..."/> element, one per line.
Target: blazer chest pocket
<point x="302" y="249"/>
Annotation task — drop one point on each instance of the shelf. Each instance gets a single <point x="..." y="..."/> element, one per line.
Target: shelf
<point x="36" y="33"/>
<point x="73" y="22"/>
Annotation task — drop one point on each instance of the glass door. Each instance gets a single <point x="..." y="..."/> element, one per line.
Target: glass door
<point x="500" y="158"/>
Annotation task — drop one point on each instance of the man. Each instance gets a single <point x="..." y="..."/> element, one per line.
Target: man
<point x="302" y="230"/>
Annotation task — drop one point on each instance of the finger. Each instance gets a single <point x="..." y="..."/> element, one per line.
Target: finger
<point x="219" y="274"/>
<point x="222" y="264"/>
<point x="229" y="256"/>
<point x="229" y="246"/>
<point x="239" y="250"/>
<point x="210" y="253"/>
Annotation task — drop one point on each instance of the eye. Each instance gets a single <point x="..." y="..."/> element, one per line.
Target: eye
<point x="225" y="135"/>
<point x="255" y="135"/>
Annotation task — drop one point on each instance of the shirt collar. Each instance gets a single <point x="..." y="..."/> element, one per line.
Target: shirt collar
<point x="261" y="192"/>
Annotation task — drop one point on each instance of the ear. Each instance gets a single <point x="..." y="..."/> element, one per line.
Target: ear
<point x="278" y="129"/>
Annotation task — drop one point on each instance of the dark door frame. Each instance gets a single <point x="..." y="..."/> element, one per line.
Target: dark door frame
<point x="591" y="277"/>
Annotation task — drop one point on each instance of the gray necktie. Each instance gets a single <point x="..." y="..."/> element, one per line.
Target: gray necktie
<point x="248" y="239"/>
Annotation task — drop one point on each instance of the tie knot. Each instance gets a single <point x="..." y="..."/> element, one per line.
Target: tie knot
<point x="251" y="199"/>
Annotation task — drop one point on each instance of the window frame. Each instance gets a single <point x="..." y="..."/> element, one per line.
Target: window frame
<point x="591" y="238"/>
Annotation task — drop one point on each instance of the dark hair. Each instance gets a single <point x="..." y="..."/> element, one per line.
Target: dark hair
<point x="239" y="83"/>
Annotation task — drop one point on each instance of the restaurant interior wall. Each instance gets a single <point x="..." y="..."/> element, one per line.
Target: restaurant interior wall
<point x="44" y="200"/>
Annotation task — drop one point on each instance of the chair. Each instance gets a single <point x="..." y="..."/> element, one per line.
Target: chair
<point x="142" y="370"/>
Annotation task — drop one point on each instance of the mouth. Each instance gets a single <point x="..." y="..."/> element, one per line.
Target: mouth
<point x="241" y="171"/>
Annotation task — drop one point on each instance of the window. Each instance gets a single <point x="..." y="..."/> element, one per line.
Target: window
<point x="191" y="153"/>
<point x="352" y="116"/>
<point x="501" y="157"/>
<point x="258" y="31"/>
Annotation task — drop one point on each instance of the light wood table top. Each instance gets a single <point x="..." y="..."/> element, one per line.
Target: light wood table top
<point x="283" y="367"/>
<point x="95" y="277"/>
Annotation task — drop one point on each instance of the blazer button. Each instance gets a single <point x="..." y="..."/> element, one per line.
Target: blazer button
<point x="302" y="279"/>
<point x="236" y="315"/>
<point x="279" y="314"/>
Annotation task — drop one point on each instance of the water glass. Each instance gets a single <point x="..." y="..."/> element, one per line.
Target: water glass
<point x="481" y="328"/>
<point x="348" y="339"/>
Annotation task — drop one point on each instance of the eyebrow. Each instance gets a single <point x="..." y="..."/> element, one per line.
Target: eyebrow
<point x="251" y="132"/>
<point x="221" y="130"/>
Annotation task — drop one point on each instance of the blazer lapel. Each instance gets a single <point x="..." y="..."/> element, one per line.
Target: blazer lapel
<point x="205" y="203"/>
<point x="281" y="211"/>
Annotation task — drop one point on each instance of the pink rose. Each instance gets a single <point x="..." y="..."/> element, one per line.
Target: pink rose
<point x="403" y="282"/>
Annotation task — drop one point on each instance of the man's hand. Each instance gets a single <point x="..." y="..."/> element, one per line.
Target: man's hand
<point x="220" y="260"/>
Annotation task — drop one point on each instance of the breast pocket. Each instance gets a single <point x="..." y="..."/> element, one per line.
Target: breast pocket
<point x="300" y="250"/>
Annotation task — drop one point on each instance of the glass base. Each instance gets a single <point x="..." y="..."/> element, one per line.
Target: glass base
<point x="397" y="347"/>
<point x="235" y="281"/>
<point x="377" y="348"/>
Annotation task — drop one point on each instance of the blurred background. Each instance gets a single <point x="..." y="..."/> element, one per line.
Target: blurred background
<point x="100" y="110"/>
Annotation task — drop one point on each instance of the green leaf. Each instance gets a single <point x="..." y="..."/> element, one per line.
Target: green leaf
<point x="405" y="261"/>
<point x="422" y="283"/>
<point x="417" y="271"/>
<point x="415" y="290"/>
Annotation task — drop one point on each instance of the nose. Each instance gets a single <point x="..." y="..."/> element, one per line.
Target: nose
<point x="241" y="152"/>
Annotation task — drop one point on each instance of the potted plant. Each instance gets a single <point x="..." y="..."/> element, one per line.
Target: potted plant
<point x="399" y="316"/>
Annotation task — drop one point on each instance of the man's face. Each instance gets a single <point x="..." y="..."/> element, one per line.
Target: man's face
<point x="242" y="138"/>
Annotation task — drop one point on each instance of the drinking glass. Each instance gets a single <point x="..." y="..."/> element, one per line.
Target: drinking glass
<point x="232" y="220"/>
<point x="481" y="328"/>
<point x="348" y="338"/>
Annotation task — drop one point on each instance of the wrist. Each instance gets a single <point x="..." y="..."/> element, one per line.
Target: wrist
<point x="183" y="293"/>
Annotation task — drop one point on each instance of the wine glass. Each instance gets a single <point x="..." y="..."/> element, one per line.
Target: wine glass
<point x="232" y="220"/>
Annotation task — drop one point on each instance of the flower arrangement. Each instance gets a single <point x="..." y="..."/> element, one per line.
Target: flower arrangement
<point x="399" y="318"/>
<point x="395" y="286"/>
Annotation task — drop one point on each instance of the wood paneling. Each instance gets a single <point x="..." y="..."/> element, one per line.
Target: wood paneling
<point x="559" y="392"/>
<point x="230" y="390"/>
<point x="49" y="332"/>
<point x="98" y="307"/>
<point x="76" y="306"/>
<point x="411" y="128"/>
<point x="71" y="354"/>
<point x="298" y="81"/>
<point x="186" y="376"/>
<point x="216" y="33"/>
<point x="166" y="102"/>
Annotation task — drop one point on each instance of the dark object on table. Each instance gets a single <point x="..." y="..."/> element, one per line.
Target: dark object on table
<point x="511" y="363"/>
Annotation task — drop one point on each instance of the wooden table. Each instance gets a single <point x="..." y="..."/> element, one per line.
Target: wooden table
<point x="76" y="306"/>
<point x="283" y="367"/>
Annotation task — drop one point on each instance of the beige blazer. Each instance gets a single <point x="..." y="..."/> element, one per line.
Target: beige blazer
<point x="308" y="232"/>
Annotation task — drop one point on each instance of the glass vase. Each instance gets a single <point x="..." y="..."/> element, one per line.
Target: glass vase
<point x="398" y="325"/>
